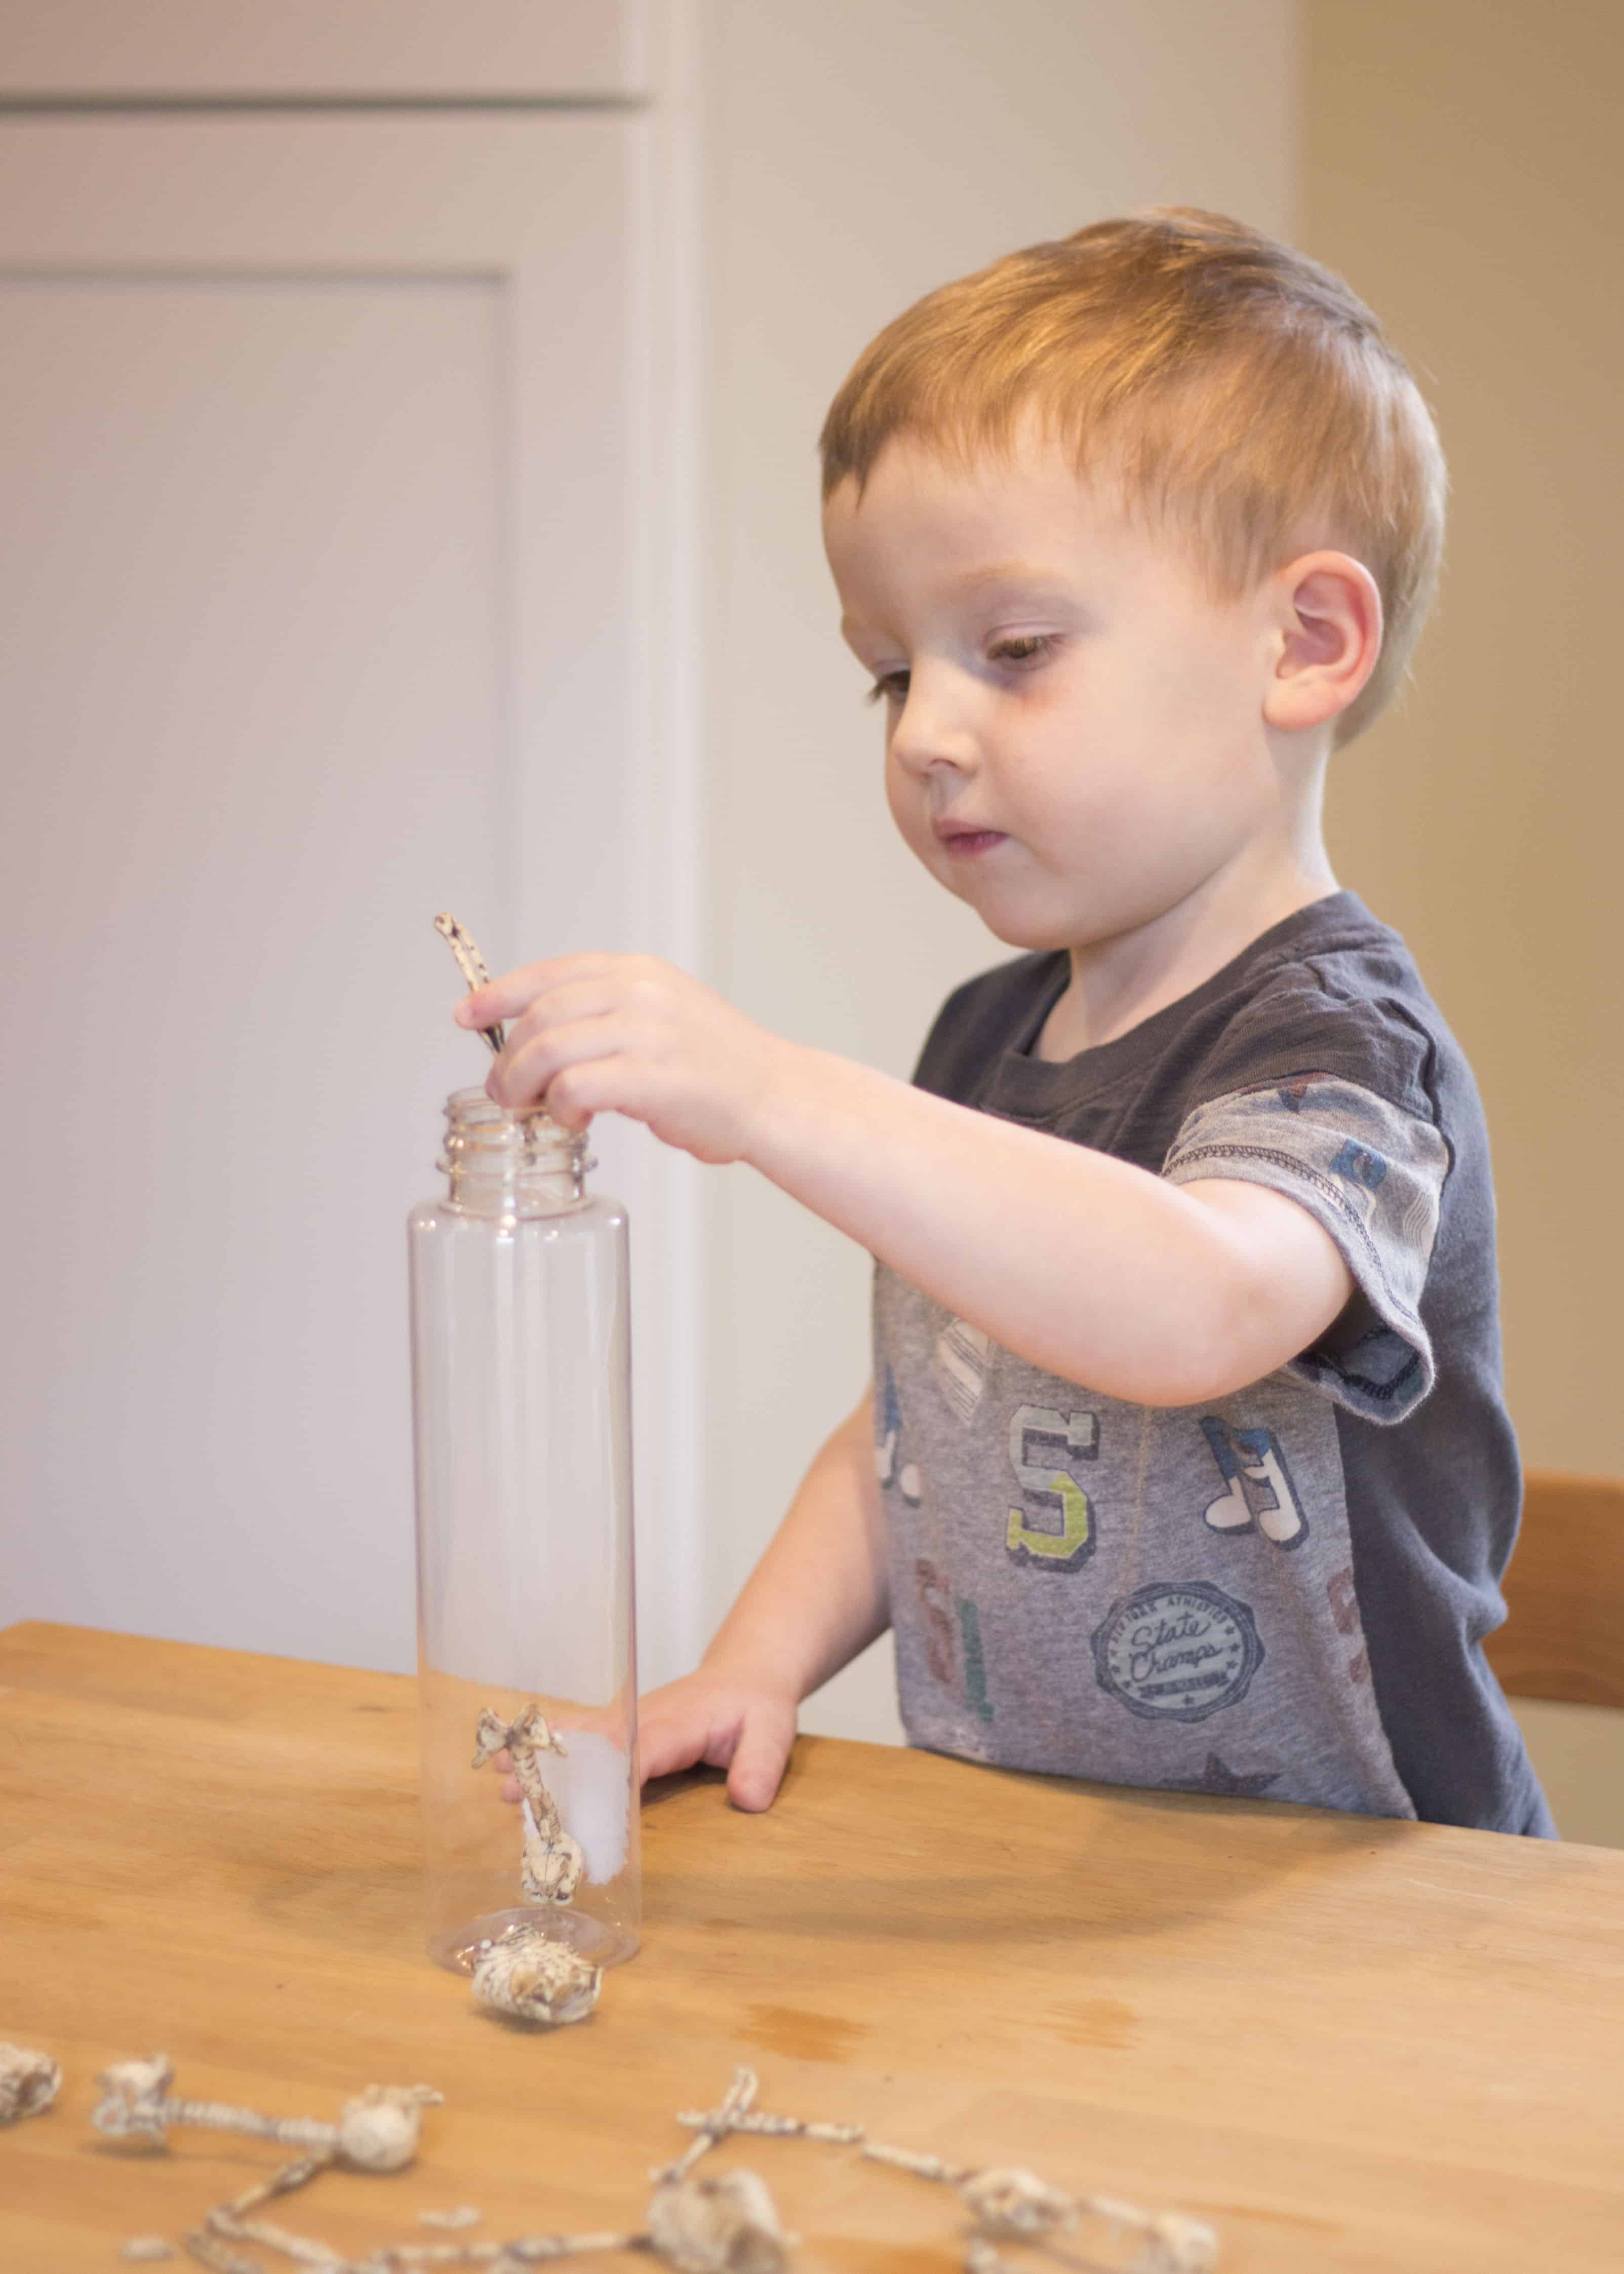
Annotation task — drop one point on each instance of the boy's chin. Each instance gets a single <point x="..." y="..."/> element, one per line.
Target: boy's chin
<point x="1015" y="918"/>
<point x="1060" y="927"/>
<point x="1029" y="932"/>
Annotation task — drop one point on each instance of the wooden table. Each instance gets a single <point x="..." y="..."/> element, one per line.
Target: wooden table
<point x="1349" y="2043"/>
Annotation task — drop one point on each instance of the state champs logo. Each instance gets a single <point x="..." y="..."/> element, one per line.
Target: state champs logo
<point x="1177" y="1650"/>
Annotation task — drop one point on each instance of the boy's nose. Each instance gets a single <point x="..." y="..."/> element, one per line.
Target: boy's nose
<point x="931" y="733"/>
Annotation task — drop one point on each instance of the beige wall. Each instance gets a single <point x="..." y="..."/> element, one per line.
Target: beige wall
<point x="858" y="152"/>
<point x="1462" y="167"/>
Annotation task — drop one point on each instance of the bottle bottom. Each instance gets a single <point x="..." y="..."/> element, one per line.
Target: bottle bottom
<point x="461" y="1948"/>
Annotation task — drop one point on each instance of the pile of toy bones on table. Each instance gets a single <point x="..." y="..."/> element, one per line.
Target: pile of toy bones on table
<point x="695" y="2222"/>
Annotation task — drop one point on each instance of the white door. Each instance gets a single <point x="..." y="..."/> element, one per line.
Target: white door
<point x="326" y="591"/>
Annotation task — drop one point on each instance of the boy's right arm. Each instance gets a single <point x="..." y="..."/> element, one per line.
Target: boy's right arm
<point x="817" y="1597"/>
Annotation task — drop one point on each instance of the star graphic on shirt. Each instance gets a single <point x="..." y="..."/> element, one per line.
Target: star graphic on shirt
<point x="1218" y="1776"/>
<point x="1293" y="1092"/>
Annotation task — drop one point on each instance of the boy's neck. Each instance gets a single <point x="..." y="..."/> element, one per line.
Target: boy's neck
<point x="1118" y="983"/>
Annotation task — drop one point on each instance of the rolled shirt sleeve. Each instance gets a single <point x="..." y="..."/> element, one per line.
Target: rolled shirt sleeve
<point x="1373" y="1174"/>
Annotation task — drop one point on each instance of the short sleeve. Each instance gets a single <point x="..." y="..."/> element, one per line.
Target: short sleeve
<point x="1372" y="1173"/>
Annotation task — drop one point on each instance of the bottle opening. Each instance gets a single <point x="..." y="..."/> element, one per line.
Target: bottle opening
<point x="502" y="1162"/>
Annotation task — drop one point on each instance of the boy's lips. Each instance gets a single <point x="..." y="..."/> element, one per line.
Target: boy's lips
<point x="964" y="840"/>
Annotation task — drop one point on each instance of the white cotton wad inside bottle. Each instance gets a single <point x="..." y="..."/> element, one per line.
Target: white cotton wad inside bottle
<point x="521" y="1396"/>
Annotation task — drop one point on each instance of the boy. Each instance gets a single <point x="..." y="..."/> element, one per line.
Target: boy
<point x="1184" y="1463"/>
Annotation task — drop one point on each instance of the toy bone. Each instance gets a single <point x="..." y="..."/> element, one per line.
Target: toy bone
<point x="711" y="2125"/>
<point x="299" y="2247"/>
<point x="29" y="2083"/>
<point x="376" y="2131"/>
<point x="738" y="2113"/>
<point x="723" y="2226"/>
<point x="1016" y="2203"/>
<point x="209" y="2251"/>
<point x="470" y="963"/>
<point x="527" y="1974"/>
<point x="232" y="2220"/>
<point x="1174" y="2243"/>
<point x="1011" y="2205"/>
<point x="1005" y="2202"/>
<point x="496" y="2257"/>
<point x="551" y="1867"/>
<point x="909" y="2159"/>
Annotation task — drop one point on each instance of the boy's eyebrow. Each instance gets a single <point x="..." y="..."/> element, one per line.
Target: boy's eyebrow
<point x="1009" y="576"/>
<point x="1003" y="577"/>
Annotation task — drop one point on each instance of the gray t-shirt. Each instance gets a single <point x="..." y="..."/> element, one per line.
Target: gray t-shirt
<point x="1280" y="1592"/>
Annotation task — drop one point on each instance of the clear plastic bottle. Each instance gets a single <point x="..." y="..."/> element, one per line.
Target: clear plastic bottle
<point x="521" y="1396"/>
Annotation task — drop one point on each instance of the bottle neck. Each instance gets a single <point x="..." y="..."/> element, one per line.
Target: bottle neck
<point x="500" y="1163"/>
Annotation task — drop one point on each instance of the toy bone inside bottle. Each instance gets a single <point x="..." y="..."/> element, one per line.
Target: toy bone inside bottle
<point x="551" y="1863"/>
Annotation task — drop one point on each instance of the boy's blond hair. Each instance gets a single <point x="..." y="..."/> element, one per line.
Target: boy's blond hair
<point x="1242" y="395"/>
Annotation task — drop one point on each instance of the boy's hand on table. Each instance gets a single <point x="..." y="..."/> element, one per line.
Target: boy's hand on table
<point x="724" y="1722"/>
<point x="721" y="1721"/>
<point x="628" y="1034"/>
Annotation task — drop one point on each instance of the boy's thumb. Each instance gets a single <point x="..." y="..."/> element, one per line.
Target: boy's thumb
<point x="757" y="1767"/>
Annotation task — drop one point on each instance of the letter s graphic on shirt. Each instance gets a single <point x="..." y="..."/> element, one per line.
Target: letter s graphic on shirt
<point x="1045" y="1446"/>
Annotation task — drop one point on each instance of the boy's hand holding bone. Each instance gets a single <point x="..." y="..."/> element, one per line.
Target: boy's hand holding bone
<point x="590" y="1034"/>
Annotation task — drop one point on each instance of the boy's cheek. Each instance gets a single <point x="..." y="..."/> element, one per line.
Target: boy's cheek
<point x="909" y="810"/>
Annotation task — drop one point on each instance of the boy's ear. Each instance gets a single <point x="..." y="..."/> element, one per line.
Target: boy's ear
<point x="1328" y="620"/>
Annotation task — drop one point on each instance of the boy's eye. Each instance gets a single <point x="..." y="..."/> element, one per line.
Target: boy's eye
<point x="1027" y="647"/>
<point x="890" y="687"/>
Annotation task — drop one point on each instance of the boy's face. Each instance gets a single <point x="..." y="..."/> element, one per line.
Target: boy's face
<point x="1074" y="739"/>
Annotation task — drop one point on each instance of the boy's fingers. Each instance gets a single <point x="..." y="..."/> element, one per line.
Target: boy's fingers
<point x="528" y="1074"/>
<point x="573" y="1003"/>
<point x="758" y="1763"/>
<point x="515" y="990"/>
<point x="748" y="1734"/>
<point x="661" y="1752"/>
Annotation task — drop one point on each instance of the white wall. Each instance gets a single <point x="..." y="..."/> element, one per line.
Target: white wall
<point x="856" y="153"/>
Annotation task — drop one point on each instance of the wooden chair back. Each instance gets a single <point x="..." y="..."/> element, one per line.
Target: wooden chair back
<point x="1564" y="1636"/>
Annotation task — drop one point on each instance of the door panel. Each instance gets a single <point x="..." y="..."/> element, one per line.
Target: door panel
<point x="321" y="608"/>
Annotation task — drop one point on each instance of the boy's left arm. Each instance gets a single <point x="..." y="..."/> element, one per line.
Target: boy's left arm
<point x="1088" y="1267"/>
